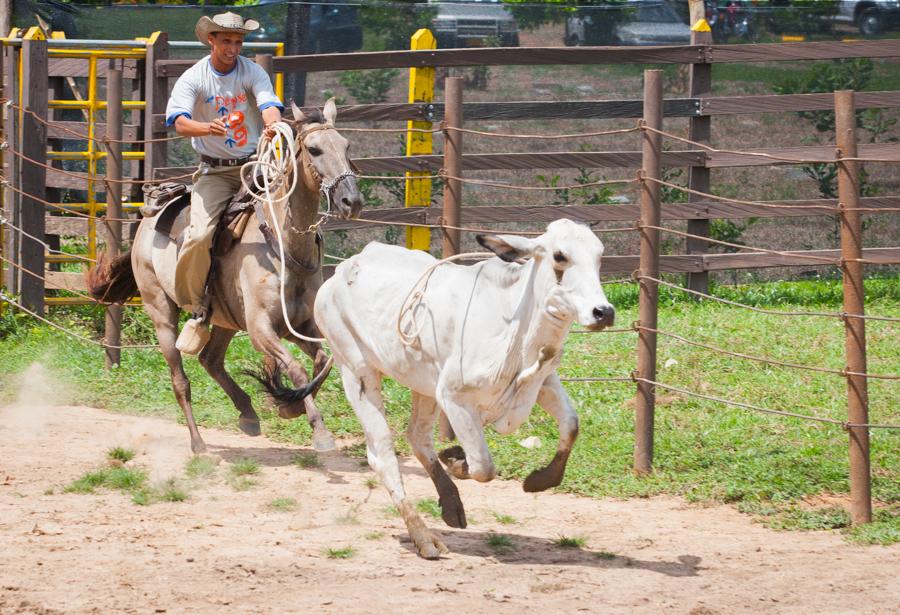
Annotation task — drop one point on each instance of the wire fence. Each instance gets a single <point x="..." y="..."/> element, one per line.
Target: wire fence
<point x="442" y="174"/>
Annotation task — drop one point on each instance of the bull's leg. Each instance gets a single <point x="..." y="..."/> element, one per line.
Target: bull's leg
<point x="553" y="398"/>
<point x="466" y="423"/>
<point x="266" y="341"/>
<point x="364" y="394"/>
<point x="212" y="358"/>
<point x="164" y="314"/>
<point x="421" y="436"/>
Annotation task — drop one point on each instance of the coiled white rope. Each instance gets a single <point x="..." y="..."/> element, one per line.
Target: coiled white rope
<point x="276" y="158"/>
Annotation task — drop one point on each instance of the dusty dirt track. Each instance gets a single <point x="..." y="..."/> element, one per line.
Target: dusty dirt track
<point x="225" y="551"/>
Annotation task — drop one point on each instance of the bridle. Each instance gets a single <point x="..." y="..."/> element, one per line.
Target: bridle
<point x="328" y="187"/>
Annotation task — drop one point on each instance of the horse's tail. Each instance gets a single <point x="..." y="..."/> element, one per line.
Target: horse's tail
<point x="112" y="281"/>
<point x="285" y="396"/>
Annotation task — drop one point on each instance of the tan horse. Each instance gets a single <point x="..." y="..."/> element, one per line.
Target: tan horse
<point x="246" y="289"/>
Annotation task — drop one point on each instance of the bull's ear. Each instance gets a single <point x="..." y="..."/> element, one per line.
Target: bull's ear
<point x="508" y="247"/>
<point x="330" y="111"/>
<point x="299" y="116"/>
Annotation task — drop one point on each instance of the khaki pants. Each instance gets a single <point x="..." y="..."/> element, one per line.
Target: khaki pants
<point x="212" y="192"/>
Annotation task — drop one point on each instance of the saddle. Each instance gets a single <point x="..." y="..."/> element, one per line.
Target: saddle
<point x="166" y="201"/>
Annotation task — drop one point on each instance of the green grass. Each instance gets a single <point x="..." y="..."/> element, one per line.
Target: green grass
<point x="499" y="542"/>
<point x="505" y="519"/>
<point x="123" y="479"/>
<point x="283" y="504"/>
<point x="704" y="451"/>
<point x="429" y="506"/>
<point x="119" y="453"/>
<point x="606" y="555"/>
<point x="307" y="459"/>
<point x="571" y="542"/>
<point x="340" y="552"/>
<point x="199" y="466"/>
<point x="171" y="491"/>
<point x="246" y="466"/>
<point x="242" y="483"/>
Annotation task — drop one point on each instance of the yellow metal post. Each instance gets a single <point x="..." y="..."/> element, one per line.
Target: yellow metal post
<point x="418" y="191"/>
<point x="279" y="77"/>
<point x="91" y="157"/>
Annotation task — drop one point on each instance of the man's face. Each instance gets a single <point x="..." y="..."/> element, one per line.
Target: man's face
<point x="226" y="47"/>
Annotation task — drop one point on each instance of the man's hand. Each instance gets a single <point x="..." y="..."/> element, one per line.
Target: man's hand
<point x="217" y="127"/>
<point x="269" y="131"/>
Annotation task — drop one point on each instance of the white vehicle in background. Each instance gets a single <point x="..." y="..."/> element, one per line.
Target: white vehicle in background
<point x="473" y="23"/>
<point x="870" y="16"/>
<point x="636" y="22"/>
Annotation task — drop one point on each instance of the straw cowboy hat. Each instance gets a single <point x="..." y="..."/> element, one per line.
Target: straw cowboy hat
<point x="223" y="22"/>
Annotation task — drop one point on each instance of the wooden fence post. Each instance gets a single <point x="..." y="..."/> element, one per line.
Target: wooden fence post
<point x="6" y="195"/>
<point x="453" y="142"/>
<point x="113" y="330"/>
<point x="647" y="308"/>
<point x="700" y="130"/>
<point x="33" y="176"/>
<point x="156" y="93"/>
<point x="854" y="303"/>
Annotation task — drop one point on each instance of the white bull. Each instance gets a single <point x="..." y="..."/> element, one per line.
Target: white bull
<point x="482" y="343"/>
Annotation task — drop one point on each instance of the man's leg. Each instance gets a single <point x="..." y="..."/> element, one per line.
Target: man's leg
<point x="211" y="194"/>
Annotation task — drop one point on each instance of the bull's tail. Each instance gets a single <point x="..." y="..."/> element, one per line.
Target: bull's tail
<point x="112" y="281"/>
<point x="283" y="395"/>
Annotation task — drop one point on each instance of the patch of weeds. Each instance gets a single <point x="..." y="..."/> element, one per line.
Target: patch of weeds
<point x="499" y="542"/>
<point x="571" y="542"/>
<point x="340" y="553"/>
<point x="199" y="466"/>
<point x="242" y="483"/>
<point x="372" y="482"/>
<point x="883" y="530"/>
<point x="505" y="519"/>
<point x="171" y="491"/>
<point x="429" y="506"/>
<point x="283" y="504"/>
<point x="374" y="535"/>
<point x="87" y="483"/>
<point x="606" y="555"/>
<point x="245" y="466"/>
<point x="48" y="491"/>
<point x="141" y="497"/>
<point x="793" y="518"/>
<point x="124" y="479"/>
<point x="391" y="511"/>
<point x="119" y="453"/>
<point x="307" y="459"/>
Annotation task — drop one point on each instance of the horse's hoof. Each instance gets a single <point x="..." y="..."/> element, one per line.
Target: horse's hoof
<point x="249" y="426"/>
<point x="541" y="480"/>
<point x="198" y="447"/>
<point x="323" y="442"/>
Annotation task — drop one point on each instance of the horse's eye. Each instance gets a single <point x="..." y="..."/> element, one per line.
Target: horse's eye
<point x="559" y="257"/>
<point x="315" y="151"/>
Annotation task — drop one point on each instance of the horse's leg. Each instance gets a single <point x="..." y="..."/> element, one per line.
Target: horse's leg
<point x="164" y="314"/>
<point x="267" y="341"/>
<point x="212" y="358"/>
<point x="313" y="350"/>
<point x="552" y="398"/>
<point x="420" y="434"/>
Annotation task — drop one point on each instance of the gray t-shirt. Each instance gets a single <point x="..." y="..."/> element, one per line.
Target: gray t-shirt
<point x="203" y="94"/>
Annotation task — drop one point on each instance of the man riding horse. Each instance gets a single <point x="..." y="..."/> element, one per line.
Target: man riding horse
<point x="222" y="102"/>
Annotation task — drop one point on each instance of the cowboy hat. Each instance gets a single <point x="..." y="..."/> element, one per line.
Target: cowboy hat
<point x="223" y="22"/>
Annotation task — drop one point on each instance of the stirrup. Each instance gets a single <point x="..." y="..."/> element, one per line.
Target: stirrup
<point x="193" y="337"/>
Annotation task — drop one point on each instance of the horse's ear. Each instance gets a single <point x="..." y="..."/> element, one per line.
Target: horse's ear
<point x="299" y="116"/>
<point x="330" y="111"/>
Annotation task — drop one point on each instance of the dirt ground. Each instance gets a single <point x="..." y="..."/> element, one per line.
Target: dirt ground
<point x="226" y="551"/>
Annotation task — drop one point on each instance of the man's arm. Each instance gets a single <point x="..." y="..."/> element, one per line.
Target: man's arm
<point x="187" y="127"/>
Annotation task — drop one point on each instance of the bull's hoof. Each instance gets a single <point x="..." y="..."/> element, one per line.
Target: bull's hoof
<point x="428" y="546"/>
<point x="541" y="480"/>
<point x="323" y="442"/>
<point x="249" y="426"/>
<point x="455" y="460"/>
<point x="198" y="446"/>
<point x="452" y="512"/>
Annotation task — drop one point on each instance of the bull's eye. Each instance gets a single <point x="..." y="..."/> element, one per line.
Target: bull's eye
<point x="315" y="151"/>
<point x="559" y="257"/>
